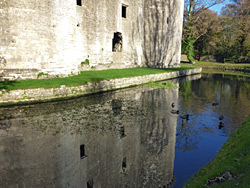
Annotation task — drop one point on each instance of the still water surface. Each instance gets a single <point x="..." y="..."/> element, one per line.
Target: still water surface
<point x="126" y="138"/>
<point x="201" y="137"/>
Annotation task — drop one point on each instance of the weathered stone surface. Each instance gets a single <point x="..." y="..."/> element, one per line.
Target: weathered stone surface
<point x="162" y="32"/>
<point x="29" y="95"/>
<point x="184" y="58"/>
<point x="40" y="144"/>
<point x="55" y="37"/>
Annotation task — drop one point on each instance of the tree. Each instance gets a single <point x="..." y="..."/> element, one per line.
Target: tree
<point x="193" y="26"/>
<point x="235" y="37"/>
<point x="228" y="40"/>
<point x="208" y="32"/>
<point x="243" y="10"/>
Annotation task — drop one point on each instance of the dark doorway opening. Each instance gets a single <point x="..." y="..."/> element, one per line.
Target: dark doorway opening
<point x="117" y="42"/>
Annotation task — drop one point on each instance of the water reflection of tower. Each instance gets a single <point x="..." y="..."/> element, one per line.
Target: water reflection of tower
<point x="158" y="138"/>
<point x="121" y="140"/>
<point x="140" y="152"/>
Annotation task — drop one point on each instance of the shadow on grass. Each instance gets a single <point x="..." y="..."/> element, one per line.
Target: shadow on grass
<point x="7" y="84"/>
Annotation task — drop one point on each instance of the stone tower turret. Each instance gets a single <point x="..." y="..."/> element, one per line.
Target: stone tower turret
<point x="162" y="32"/>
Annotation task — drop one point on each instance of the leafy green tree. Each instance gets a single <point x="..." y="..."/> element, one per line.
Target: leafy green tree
<point x="235" y="36"/>
<point x="243" y="9"/>
<point x="209" y="31"/>
<point x="227" y="41"/>
<point x="193" y="26"/>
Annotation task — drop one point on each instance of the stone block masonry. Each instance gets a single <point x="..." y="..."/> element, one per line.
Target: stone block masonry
<point x="54" y="37"/>
<point x="42" y="94"/>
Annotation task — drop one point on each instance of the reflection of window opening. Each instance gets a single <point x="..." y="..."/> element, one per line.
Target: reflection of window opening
<point x="79" y="2"/>
<point x="124" y="163"/>
<point x="82" y="152"/>
<point x="90" y="184"/>
<point x="116" y="106"/>
<point x="122" y="132"/>
<point x="124" y="11"/>
<point x="117" y="42"/>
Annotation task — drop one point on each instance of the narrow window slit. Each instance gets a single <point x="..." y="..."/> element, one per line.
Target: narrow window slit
<point x="90" y="184"/>
<point x="124" y="11"/>
<point x="122" y="132"/>
<point x="124" y="164"/>
<point x="82" y="152"/>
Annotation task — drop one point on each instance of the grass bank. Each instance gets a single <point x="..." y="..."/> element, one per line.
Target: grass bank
<point x="233" y="158"/>
<point x="228" y="72"/>
<point x="224" y="66"/>
<point x="85" y="77"/>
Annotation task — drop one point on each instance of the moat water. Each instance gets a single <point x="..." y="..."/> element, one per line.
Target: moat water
<point x="126" y="138"/>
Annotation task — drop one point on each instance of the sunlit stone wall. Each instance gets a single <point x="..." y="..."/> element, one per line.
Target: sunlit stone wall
<point x="38" y="36"/>
<point x="162" y="32"/>
<point x="54" y="37"/>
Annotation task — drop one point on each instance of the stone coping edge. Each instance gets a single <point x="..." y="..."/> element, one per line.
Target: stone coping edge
<point x="26" y="96"/>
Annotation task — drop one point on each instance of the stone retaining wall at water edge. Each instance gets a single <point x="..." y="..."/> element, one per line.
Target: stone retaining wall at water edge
<point x="62" y="92"/>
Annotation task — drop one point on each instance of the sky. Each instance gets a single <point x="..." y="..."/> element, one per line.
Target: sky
<point x="218" y="7"/>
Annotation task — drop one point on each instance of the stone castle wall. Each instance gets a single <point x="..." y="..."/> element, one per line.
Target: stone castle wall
<point x="162" y="32"/>
<point x="54" y="37"/>
<point x="38" y="36"/>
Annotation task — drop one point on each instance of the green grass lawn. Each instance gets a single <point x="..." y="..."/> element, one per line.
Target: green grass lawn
<point x="233" y="157"/>
<point x="222" y="65"/>
<point x="236" y="73"/>
<point x="85" y="77"/>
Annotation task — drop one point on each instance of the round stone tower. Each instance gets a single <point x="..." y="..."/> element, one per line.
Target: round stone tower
<point x="162" y="32"/>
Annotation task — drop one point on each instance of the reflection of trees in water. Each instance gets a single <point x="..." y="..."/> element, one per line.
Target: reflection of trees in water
<point x="186" y="137"/>
<point x="155" y="137"/>
<point x="224" y="89"/>
<point x="188" y="133"/>
<point x="233" y="98"/>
